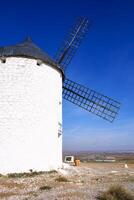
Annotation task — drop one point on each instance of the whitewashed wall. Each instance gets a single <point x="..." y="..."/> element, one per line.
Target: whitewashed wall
<point x="30" y="116"/>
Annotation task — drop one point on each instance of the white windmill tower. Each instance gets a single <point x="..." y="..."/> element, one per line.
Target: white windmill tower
<point x="31" y="103"/>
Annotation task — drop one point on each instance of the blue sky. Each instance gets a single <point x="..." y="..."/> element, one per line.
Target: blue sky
<point x="104" y="61"/>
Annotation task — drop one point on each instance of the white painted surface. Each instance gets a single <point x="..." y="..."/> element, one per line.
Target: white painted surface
<point x="30" y="116"/>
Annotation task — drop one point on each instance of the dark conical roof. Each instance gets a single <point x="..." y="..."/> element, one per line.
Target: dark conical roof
<point x="26" y="49"/>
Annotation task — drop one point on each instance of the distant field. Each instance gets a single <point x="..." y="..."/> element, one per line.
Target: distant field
<point x="125" y="157"/>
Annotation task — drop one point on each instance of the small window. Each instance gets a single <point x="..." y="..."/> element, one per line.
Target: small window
<point x="39" y="62"/>
<point x="3" y="60"/>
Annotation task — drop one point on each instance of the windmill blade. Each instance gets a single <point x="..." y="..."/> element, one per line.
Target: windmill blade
<point x="90" y="100"/>
<point x="71" y="44"/>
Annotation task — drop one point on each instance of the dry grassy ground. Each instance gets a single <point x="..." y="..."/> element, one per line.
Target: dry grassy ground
<point x="80" y="183"/>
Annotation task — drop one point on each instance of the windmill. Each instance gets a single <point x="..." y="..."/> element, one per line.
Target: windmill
<point x="31" y="88"/>
<point x="88" y="99"/>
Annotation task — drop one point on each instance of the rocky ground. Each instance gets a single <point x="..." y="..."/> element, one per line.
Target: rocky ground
<point x="74" y="183"/>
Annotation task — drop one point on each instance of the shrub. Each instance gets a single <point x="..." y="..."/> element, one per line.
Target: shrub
<point x="61" y="179"/>
<point x="115" y="193"/>
<point x="24" y="174"/>
<point x="29" y="174"/>
<point x="45" y="187"/>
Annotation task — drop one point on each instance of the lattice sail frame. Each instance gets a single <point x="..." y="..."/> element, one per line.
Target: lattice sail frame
<point x="90" y="100"/>
<point x="71" y="44"/>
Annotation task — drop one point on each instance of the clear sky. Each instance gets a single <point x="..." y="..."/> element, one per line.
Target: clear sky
<point x="104" y="61"/>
